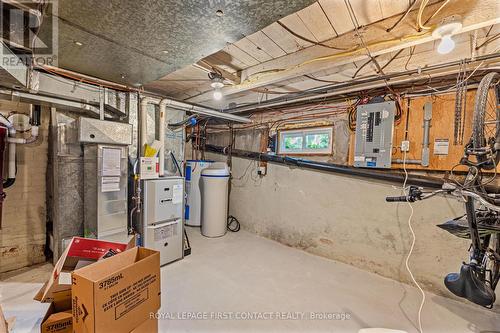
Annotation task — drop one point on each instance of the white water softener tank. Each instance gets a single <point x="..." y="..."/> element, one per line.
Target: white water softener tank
<point x="192" y="210"/>
<point x="214" y="198"/>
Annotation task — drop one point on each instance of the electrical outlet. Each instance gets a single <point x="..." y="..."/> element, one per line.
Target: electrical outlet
<point x="405" y="146"/>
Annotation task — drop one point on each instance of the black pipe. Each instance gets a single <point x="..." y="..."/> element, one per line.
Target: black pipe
<point x="389" y="176"/>
<point x="9" y="182"/>
<point x="176" y="163"/>
<point x="36" y="115"/>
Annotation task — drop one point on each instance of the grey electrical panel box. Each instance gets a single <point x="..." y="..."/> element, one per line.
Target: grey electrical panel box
<point x="374" y="129"/>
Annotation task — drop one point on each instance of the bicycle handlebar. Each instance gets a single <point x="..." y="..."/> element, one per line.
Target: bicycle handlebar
<point x="402" y="198"/>
<point x="415" y="194"/>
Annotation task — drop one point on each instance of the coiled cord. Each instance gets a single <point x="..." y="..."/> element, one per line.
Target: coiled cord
<point x="233" y="224"/>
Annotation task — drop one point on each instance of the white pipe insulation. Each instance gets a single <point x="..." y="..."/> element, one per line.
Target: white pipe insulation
<point x="143" y="118"/>
<point x="145" y="101"/>
<point x="163" y="103"/>
<point x="163" y="113"/>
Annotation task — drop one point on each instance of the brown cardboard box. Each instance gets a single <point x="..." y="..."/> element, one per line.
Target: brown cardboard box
<point x="57" y="322"/>
<point x="116" y="294"/>
<point x="58" y="318"/>
<point x="3" y="322"/>
<point x="79" y="252"/>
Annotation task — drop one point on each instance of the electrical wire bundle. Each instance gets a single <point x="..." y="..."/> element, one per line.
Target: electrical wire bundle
<point x="353" y="110"/>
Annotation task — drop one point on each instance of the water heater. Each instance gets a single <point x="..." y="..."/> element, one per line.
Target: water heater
<point x="193" y="200"/>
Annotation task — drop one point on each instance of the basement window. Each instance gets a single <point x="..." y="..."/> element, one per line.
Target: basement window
<point x="310" y="141"/>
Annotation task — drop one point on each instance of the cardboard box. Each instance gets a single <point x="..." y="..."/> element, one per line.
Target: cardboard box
<point x="116" y="294"/>
<point x="57" y="321"/>
<point x="79" y="253"/>
<point x="3" y="322"/>
<point x="58" y="318"/>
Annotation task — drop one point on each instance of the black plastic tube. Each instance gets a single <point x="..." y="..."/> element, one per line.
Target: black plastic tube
<point x="176" y="163"/>
<point x="36" y="115"/>
<point x="389" y="176"/>
<point x="9" y="182"/>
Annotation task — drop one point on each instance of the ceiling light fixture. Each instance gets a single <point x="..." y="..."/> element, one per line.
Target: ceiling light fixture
<point x="217" y="82"/>
<point x="217" y="94"/>
<point x="78" y="43"/>
<point x="447" y="28"/>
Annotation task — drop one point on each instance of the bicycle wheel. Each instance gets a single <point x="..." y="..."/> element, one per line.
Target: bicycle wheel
<point x="493" y="264"/>
<point x="486" y="130"/>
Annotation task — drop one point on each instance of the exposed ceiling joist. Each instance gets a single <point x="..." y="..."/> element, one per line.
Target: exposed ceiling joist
<point x="405" y="61"/>
<point x="207" y="67"/>
<point x="317" y="58"/>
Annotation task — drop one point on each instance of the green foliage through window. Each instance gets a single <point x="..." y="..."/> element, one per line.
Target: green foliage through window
<point x="306" y="141"/>
<point x="293" y="142"/>
<point x="317" y="141"/>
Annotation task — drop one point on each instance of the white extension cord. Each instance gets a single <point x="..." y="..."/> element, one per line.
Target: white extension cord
<point x="411" y="248"/>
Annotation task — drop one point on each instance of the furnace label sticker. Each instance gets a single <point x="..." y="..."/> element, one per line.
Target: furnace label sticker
<point x="177" y="194"/>
<point x="111" y="162"/>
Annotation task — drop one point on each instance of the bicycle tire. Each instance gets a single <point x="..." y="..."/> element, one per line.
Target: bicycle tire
<point x="480" y="105"/>
<point x="493" y="265"/>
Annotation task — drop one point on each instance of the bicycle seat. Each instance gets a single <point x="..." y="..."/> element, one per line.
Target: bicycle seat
<point x="468" y="285"/>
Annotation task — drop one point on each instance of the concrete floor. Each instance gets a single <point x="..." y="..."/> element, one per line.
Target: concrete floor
<point x="242" y="275"/>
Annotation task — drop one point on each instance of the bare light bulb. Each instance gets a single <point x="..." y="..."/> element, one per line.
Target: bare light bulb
<point x="217" y="94"/>
<point x="446" y="45"/>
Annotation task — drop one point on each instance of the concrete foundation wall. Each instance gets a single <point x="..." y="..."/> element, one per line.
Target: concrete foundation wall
<point x="347" y="219"/>
<point x="22" y="236"/>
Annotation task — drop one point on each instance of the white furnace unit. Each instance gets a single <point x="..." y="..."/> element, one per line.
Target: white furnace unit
<point x="162" y="221"/>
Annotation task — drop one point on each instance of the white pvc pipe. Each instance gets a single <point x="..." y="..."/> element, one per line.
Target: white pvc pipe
<point x="11" y="173"/>
<point x="161" y="134"/>
<point x="21" y="141"/>
<point x="143" y="114"/>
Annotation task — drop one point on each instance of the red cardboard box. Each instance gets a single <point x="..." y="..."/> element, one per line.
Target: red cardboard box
<point x="80" y="252"/>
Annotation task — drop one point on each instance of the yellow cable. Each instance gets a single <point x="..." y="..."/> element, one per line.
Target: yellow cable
<point x="258" y="76"/>
<point x="421" y="9"/>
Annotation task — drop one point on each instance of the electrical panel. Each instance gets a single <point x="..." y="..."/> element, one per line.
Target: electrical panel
<point x="374" y="129"/>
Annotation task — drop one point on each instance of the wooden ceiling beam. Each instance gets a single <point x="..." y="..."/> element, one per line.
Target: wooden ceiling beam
<point x="208" y="67"/>
<point x="316" y="58"/>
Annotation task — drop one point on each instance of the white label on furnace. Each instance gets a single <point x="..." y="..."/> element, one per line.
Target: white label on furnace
<point x="177" y="194"/>
<point x="441" y="146"/>
<point x="111" y="162"/>
<point x="359" y="158"/>
<point x="110" y="184"/>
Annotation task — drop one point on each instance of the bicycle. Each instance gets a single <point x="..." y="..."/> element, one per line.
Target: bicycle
<point x="477" y="279"/>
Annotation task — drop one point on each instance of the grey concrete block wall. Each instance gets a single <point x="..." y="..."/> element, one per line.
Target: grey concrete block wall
<point x="22" y="237"/>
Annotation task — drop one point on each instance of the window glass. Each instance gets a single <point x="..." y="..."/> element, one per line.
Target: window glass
<point x="306" y="141"/>
<point x="317" y="141"/>
<point x="293" y="142"/>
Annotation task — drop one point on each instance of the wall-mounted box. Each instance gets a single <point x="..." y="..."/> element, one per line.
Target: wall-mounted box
<point x="374" y="129"/>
